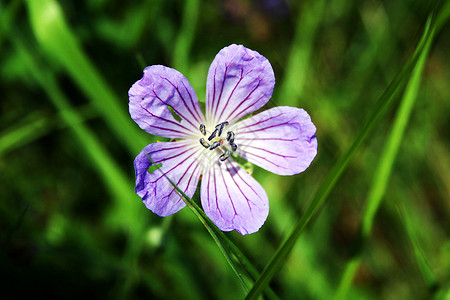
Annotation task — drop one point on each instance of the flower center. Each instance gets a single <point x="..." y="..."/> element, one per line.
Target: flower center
<point x="215" y="140"/>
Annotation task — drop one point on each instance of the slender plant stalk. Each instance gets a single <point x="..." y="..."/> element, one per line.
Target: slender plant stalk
<point x="185" y="37"/>
<point x="385" y="99"/>
<point x="384" y="169"/>
<point x="226" y="246"/>
<point x="114" y="178"/>
<point x="59" y="42"/>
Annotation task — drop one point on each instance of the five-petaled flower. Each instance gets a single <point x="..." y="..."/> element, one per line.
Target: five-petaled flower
<point x="281" y="140"/>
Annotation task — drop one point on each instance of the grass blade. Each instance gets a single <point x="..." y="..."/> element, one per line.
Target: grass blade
<point x="185" y="36"/>
<point x="56" y="38"/>
<point x="117" y="182"/>
<point x="226" y="246"/>
<point x="383" y="171"/>
<point x="18" y="136"/>
<point x="384" y="100"/>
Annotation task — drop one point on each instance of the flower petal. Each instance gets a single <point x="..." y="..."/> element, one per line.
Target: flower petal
<point x="150" y="98"/>
<point x="240" y="81"/>
<point x="281" y="140"/>
<point x="179" y="163"/>
<point x="232" y="199"/>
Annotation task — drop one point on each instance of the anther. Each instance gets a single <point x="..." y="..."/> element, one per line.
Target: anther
<point x="233" y="146"/>
<point x="203" y="129"/>
<point x="221" y="126"/>
<point x="215" y="145"/>
<point x="225" y="155"/>
<point x="204" y="143"/>
<point x="230" y="136"/>
<point x="213" y="135"/>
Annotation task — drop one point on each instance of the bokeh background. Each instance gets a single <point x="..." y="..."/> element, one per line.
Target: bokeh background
<point x="71" y="225"/>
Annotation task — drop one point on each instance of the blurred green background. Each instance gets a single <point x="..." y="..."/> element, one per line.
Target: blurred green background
<point x="71" y="225"/>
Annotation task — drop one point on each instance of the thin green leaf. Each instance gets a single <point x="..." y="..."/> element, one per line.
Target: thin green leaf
<point x="35" y="126"/>
<point x="299" y="60"/>
<point x="185" y="36"/>
<point x="212" y="229"/>
<point x="226" y="246"/>
<point x="385" y="99"/>
<point x="384" y="168"/>
<point x="57" y="39"/>
<point x="114" y="178"/>
<point x="13" y="138"/>
<point x="427" y="274"/>
<point x="116" y="181"/>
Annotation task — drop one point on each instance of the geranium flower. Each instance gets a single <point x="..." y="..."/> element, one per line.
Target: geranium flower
<point x="281" y="140"/>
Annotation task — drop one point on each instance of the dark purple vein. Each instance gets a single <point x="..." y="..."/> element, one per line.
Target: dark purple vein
<point x="160" y="118"/>
<point x="221" y="91"/>
<point x="268" y="127"/>
<point x="165" y="173"/>
<point x="176" y="155"/>
<point x="236" y="171"/>
<point x="229" y="97"/>
<point x="181" y="178"/>
<point x="246" y="199"/>
<point x="267" y="139"/>
<point x="263" y="158"/>
<point x="260" y="121"/>
<point x="182" y="98"/>
<point x="262" y="149"/>
<point x="228" y="192"/>
<point x="215" y="192"/>
<point x="195" y="105"/>
<point x="175" y="110"/>
<point x="245" y="99"/>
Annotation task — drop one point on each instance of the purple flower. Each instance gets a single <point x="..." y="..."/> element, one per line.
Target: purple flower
<point x="240" y="81"/>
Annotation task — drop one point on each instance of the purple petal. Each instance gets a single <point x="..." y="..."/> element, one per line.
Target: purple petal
<point x="240" y="81"/>
<point x="179" y="162"/>
<point x="281" y="140"/>
<point x="232" y="199"/>
<point x="151" y="96"/>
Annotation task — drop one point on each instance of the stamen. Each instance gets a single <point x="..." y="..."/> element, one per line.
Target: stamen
<point x="222" y="125"/>
<point x="213" y="135"/>
<point x="215" y="145"/>
<point x="233" y="146"/>
<point x="204" y="143"/>
<point x="230" y="136"/>
<point x="225" y="155"/>
<point x="203" y="129"/>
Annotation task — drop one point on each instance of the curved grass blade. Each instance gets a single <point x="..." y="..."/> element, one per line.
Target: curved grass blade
<point x="383" y="171"/>
<point x="427" y="274"/>
<point x="206" y="222"/>
<point x="385" y="99"/>
<point x="310" y="18"/>
<point x="185" y="36"/>
<point x="117" y="182"/>
<point x="56" y="38"/>
<point x="35" y="126"/>
<point x="226" y="246"/>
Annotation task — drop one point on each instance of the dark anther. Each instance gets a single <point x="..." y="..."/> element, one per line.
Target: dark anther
<point x="203" y="129"/>
<point x="221" y="126"/>
<point x="230" y="136"/>
<point x="213" y="135"/>
<point x="215" y="145"/>
<point x="225" y="155"/>
<point x="233" y="146"/>
<point x="204" y="143"/>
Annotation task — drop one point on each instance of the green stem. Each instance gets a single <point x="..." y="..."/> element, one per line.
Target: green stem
<point x="385" y="99"/>
<point x="384" y="169"/>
